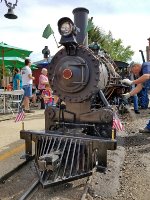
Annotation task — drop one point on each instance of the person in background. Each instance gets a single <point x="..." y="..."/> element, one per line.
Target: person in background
<point x="27" y="80"/>
<point x="17" y="80"/>
<point x="43" y="80"/>
<point x="55" y="100"/>
<point x="10" y="86"/>
<point x="47" y="96"/>
<point x="135" y="103"/>
<point x="143" y="71"/>
<point x="135" y="97"/>
<point x="34" y="97"/>
<point x="143" y="98"/>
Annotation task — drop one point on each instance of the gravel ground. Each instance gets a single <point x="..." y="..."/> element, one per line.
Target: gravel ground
<point x="14" y="186"/>
<point x="127" y="176"/>
<point x="134" y="174"/>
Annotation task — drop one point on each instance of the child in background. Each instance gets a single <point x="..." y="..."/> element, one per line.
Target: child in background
<point x="47" y="96"/>
<point x="55" y="100"/>
<point x="10" y="86"/>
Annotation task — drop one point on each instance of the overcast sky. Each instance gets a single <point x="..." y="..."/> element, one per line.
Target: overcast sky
<point x="126" y="19"/>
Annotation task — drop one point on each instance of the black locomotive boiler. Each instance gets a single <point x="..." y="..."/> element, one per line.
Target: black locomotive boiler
<point x="78" y="131"/>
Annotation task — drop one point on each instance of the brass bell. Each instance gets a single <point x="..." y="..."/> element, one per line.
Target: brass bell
<point x="10" y="14"/>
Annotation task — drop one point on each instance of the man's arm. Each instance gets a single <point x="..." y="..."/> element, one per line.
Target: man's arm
<point x="142" y="79"/>
<point x="31" y="77"/>
<point x="136" y="90"/>
<point x="133" y="92"/>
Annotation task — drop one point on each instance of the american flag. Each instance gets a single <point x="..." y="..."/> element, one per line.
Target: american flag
<point x="20" y="116"/>
<point x="117" y="123"/>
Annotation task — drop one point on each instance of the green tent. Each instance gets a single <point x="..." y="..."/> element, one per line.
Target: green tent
<point x="14" y="62"/>
<point x="11" y="51"/>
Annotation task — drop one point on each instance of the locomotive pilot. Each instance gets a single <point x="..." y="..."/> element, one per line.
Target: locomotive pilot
<point x="143" y="71"/>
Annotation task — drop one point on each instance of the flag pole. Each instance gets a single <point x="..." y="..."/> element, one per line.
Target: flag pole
<point x="55" y="41"/>
<point x="22" y="126"/>
<point x="3" y="70"/>
<point x="113" y="134"/>
<point x="49" y="31"/>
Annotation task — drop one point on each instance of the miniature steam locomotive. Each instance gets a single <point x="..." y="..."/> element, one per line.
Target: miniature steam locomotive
<point x="78" y="131"/>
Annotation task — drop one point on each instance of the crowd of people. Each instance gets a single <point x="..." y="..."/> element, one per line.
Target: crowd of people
<point x="23" y="79"/>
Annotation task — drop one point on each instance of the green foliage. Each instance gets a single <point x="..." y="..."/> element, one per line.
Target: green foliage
<point x="90" y="25"/>
<point x="113" y="47"/>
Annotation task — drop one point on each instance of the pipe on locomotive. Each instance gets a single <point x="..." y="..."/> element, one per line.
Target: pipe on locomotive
<point x="142" y="54"/>
<point x="81" y="21"/>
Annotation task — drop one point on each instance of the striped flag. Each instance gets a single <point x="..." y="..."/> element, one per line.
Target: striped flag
<point x="20" y="116"/>
<point x="117" y="123"/>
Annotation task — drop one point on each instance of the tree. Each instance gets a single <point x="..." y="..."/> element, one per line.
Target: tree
<point x="114" y="47"/>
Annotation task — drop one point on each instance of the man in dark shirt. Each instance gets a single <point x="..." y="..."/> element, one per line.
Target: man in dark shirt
<point x="143" y="71"/>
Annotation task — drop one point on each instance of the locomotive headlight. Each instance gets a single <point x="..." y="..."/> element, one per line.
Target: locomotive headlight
<point x="68" y="32"/>
<point x="66" y="29"/>
<point x="66" y="26"/>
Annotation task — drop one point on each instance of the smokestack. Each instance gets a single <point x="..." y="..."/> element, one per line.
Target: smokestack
<point x="81" y="21"/>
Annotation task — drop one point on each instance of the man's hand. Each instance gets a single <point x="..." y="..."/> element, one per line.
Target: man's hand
<point x="126" y="96"/>
<point x="126" y="81"/>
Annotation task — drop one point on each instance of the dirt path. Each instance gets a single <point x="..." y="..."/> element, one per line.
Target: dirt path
<point x="135" y="182"/>
<point x="135" y="171"/>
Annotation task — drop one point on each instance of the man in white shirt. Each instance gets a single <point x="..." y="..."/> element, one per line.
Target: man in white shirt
<point x="27" y="80"/>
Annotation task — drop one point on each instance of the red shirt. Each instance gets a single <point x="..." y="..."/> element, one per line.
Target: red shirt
<point x="48" y="94"/>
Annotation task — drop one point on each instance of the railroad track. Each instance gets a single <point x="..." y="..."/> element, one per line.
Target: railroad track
<point x="12" y="172"/>
<point x="29" y="191"/>
<point x="23" y="184"/>
<point x="32" y="190"/>
<point x="28" y="194"/>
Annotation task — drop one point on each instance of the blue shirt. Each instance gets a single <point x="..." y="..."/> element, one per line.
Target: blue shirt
<point x="17" y="77"/>
<point x="146" y="70"/>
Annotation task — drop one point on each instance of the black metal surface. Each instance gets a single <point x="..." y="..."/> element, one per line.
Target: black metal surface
<point x="111" y="144"/>
<point x="85" y="79"/>
<point x="121" y="64"/>
<point x="10" y="14"/>
<point x="72" y="162"/>
<point x="81" y="21"/>
<point x="142" y="54"/>
<point x="61" y="158"/>
<point x="79" y="129"/>
<point x="104" y="98"/>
